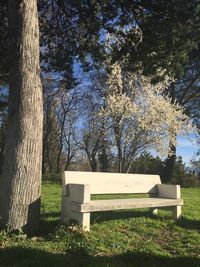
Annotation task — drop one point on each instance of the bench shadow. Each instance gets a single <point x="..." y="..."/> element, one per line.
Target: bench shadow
<point x="189" y="224"/>
<point x="27" y="257"/>
<point x="98" y="217"/>
<point x="48" y="226"/>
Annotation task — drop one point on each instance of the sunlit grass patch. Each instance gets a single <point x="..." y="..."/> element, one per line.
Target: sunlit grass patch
<point x="121" y="238"/>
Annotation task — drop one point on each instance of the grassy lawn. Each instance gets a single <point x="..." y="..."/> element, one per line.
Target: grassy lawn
<point x="127" y="238"/>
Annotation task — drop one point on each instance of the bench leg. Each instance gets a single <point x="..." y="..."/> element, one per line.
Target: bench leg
<point x="176" y="212"/>
<point x="84" y="221"/>
<point x="154" y="211"/>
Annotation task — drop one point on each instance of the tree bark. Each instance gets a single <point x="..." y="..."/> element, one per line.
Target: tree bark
<point x="93" y="164"/>
<point x="171" y="158"/>
<point x="21" y="181"/>
<point x="170" y="163"/>
<point x="119" y="148"/>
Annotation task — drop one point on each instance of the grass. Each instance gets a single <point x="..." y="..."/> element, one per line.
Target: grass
<point x="127" y="238"/>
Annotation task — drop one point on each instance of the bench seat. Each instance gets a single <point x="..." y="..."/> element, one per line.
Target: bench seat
<point x="78" y="188"/>
<point x="121" y="204"/>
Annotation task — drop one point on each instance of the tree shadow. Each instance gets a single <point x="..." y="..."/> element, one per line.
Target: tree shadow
<point x="27" y="257"/>
<point x="51" y="214"/>
<point x="47" y="227"/>
<point x="48" y="223"/>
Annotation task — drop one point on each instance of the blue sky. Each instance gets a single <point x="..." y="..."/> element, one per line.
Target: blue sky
<point x="186" y="149"/>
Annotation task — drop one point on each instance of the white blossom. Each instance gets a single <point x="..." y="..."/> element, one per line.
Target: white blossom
<point x="141" y="108"/>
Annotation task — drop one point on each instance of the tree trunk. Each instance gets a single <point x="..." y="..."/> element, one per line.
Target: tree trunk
<point x="171" y="158"/>
<point x="103" y="158"/>
<point x="170" y="163"/>
<point x="119" y="148"/>
<point x="21" y="181"/>
<point x="93" y="164"/>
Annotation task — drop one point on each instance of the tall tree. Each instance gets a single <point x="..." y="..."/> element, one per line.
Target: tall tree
<point x="186" y="92"/>
<point x="50" y="130"/>
<point x="21" y="179"/>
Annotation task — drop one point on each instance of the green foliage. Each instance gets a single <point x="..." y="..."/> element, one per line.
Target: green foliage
<point x="123" y="238"/>
<point x="73" y="30"/>
<point x="154" y="33"/>
<point x="180" y="176"/>
<point x="179" y="173"/>
<point x="190" y="180"/>
<point x="146" y="163"/>
<point x="169" y="32"/>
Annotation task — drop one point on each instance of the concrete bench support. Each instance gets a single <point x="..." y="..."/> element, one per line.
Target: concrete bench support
<point x="176" y="212"/>
<point x="75" y="193"/>
<point x="174" y="192"/>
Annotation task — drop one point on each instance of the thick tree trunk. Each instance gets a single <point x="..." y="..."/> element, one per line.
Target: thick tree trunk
<point x="21" y="181"/>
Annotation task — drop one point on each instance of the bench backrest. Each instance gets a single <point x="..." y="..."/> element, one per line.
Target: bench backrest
<point x="113" y="183"/>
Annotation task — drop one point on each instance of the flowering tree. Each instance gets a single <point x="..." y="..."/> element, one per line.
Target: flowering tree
<point x="140" y="115"/>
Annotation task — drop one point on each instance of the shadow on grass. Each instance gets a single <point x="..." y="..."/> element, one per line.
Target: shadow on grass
<point x="51" y="220"/>
<point x="98" y="217"/>
<point x="189" y="224"/>
<point x="47" y="227"/>
<point x="51" y="215"/>
<point x="27" y="257"/>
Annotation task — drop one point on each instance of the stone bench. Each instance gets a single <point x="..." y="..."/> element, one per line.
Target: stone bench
<point x="77" y="188"/>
